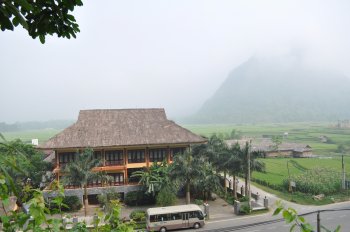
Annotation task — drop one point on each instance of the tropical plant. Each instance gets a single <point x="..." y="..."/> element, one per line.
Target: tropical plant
<point x="166" y="197"/>
<point x="210" y="182"/>
<point x="187" y="169"/>
<point x="154" y="178"/>
<point x="80" y="172"/>
<point x="291" y="216"/>
<point x="255" y="164"/>
<point x="234" y="165"/>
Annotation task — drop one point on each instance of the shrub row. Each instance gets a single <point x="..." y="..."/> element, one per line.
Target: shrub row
<point x="137" y="198"/>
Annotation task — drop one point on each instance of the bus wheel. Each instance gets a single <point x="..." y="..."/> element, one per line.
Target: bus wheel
<point x="196" y="225"/>
<point x="163" y="229"/>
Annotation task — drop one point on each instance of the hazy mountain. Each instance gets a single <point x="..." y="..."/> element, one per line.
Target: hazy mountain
<point x="277" y="90"/>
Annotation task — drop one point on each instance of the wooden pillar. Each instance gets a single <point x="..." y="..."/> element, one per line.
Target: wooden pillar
<point x="147" y="157"/>
<point x="168" y="156"/>
<point x="57" y="159"/>
<point x="103" y="157"/>
<point x="125" y="154"/>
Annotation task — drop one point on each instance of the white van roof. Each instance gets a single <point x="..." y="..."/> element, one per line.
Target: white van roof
<point x="173" y="209"/>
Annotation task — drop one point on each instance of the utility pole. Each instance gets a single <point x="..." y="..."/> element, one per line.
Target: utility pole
<point x="343" y="172"/>
<point x="248" y="190"/>
<point x="318" y="222"/>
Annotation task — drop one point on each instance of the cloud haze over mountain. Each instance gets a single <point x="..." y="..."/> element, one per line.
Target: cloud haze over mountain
<point x="171" y="54"/>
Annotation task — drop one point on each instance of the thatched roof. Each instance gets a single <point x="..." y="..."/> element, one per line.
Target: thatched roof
<point x="121" y="127"/>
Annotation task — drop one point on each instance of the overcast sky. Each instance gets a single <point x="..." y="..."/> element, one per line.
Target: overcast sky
<point x="170" y="54"/>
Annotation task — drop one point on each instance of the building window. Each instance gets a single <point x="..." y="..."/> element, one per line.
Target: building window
<point x="95" y="183"/>
<point x="114" y="158"/>
<point x="98" y="156"/>
<point x="157" y="155"/>
<point x="135" y="179"/>
<point x="176" y="150"/>
<point x="136" y="156"/>
<point x="117" y="178"/>
<point x="65" y="158"/>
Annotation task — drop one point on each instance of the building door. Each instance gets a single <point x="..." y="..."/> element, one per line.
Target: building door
<point x="185" y="220"/>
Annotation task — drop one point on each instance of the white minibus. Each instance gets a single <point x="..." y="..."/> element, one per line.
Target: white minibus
<point x="174" y="217"/>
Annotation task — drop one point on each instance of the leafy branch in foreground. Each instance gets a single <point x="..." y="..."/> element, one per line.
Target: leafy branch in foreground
<point x="40" y="18"/>
<point x="291" y="216"/>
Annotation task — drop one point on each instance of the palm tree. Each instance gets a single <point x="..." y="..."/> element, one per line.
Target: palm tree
<point x="255" y="165"/>
<point x="154" y="178"/>
<point x="187" y="169"/>
<point x="216" y="152"/>
<point x="209" y="183"/>
<point x="80" y="172"/>
<point x="234" y="164"/>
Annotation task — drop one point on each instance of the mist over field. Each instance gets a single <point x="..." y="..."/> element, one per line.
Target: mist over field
<point x="179" y="55"/>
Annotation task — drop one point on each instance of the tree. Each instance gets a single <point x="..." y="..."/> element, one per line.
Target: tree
<point x="276" y="142"/>
<point x="209" y="182"/>
<point x="40" y="18"/>
<point x="234" y="164"/>
<point x="80" y="172"/>
<point x="216" y="152"/>
<point x="255" y="165"/>
<point x="154" y="178"/>
<point x="26" y="169"/>
<point x="186" y="169"/>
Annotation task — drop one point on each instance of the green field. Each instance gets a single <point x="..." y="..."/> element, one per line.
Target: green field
<point x="307" y="133"/>
<point x="276" y="168"/>
<point x="27" y="136"/>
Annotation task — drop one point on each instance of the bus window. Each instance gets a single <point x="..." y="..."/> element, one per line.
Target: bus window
<point x="162" y="217"/>
<point x="176" y="216"/>
<point x="153" y="218"/>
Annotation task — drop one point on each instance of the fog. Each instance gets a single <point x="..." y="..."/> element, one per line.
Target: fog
<point x="169" y="54"/>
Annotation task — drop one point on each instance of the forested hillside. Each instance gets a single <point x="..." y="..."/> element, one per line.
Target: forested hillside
<point x="277" y="90"/>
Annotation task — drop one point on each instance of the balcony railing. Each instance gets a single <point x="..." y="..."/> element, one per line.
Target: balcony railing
<point x="114" y="162"/>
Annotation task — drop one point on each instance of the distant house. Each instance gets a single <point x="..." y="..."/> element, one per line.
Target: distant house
<point x="284" y="149"/>
<point x="125" y="140"/>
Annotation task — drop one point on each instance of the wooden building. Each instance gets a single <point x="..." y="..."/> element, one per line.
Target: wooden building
<point x="125" y="140"/>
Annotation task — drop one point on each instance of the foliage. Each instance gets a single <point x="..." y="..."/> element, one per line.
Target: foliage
<point x="187" y="169"/>
<point x="138" y="215"/>
<point x="72" y="203"/>
<point x="198" y="201"/>
<point x="291" y="216"/>
<point x="317" y="181"/>
<point x="166" y="197"/>
<point x="276" y="142"/>
<point x="40" y="18"/>
<point x="154" y="178"/>
<point x="107" y="196"/>
<point x="80" y="172"/>
<point x="24" y="165"/>
<point x="243" y="199"/>
<point x="135" y="198"/>
<point x="245" y="209"/>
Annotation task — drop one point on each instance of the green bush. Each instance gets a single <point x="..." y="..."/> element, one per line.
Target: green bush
<point x="244" y="209"/>
<point x="136" y="198"/>
<point x="107" y="196"/>
<point x="198" y="201"/>
<point x="73" y="203"/>
<point x="243" y="199"/>
<point x="138" y="215"/>
<point x="165" y="197"/>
